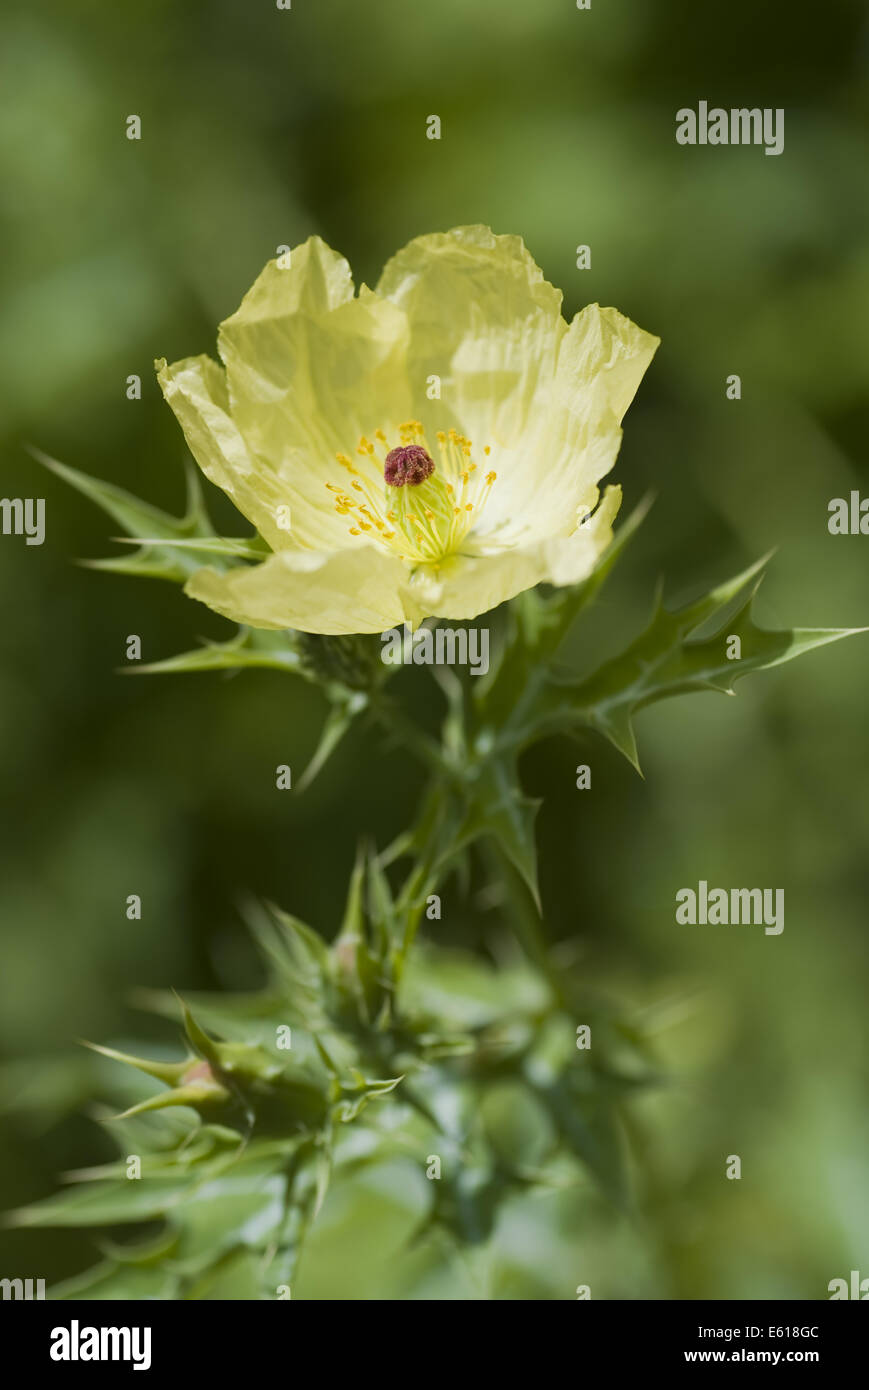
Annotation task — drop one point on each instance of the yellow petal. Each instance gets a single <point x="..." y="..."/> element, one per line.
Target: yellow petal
<point x="570" y="559"/>
<point x="601" y="363"/>
<point x="195" y="388"/>
<point x="310" y="368"/>
<point x="470" y="585"/>
<point x="349" y="591"/>
<point x="482" y="319"/>
<point x="577" y="435"/>
<point x="604" y="345"/>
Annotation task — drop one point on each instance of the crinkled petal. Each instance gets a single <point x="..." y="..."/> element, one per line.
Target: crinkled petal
<point x="548" y="399"/>
<point x="570" y="559"/>
<point x="356" y="590"/>
<point x="604" y="346"/>
<point x="195" y="388"/>
<point x="601" y="362"/>
<point x="484" y="321"/>
<point x="549" y="482"/>
<point x="310" y="368"/>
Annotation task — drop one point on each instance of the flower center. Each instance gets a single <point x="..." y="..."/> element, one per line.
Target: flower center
<point x="408" y="503"/>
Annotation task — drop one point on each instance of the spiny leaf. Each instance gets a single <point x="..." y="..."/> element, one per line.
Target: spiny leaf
<point x="199" y="1040"/>
<point x="139" y="519"/>
<point x="144" y="564"/>
<point x="140" y="1252"/>
<point x="498" y="807"/>
<point x="251" y="1016"/>
<point x="192" y="1093"/>
<point x="672" y="657"/>
<point x="168" y="1072"/>
<point x="249" y="648"/>
<point x="362" y="953"/>
<point x="234" y="547"/>
<point x="156" y="531"/>
<point x="298" y="954"/>
<point x="589" y="1126"/>
<point x="186" y="1081"/>
<point x="153" y="560"/>
<point x="117" y="1281"/>
<point x="617" y="726"/>
<point x="358" y="1096"/>
<point x="103" y="1205"/>
<point x="323" y="1173"/>
<point x="382" y="920"/>
<point x="339" y="719"/>
<point x="352" y="928"/>
<point x="359" y="969"/>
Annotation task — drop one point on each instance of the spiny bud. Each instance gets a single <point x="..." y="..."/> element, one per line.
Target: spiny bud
<point x="352" y="661"/>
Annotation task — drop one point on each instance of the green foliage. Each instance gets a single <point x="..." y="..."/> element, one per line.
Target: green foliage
<point x="374" y="1074"/>
<point x="397" y="1056"/>
<point x="170" y="547"/>
<point x="531" y="696"/>
<point x="672" y="657"/>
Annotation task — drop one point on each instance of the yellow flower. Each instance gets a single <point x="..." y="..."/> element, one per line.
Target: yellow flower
<point x="427" y="449"/>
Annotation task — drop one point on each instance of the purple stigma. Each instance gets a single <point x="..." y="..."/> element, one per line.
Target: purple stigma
<point x="409" y="464"/>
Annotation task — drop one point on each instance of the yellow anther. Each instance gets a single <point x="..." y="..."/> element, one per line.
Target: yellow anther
<point x="447" y="503"/>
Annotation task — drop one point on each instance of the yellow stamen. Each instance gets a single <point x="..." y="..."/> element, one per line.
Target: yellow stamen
<point x="422" y="523"/>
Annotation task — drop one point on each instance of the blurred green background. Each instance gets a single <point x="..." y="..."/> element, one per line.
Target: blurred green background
<point x="260" y="127"/>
